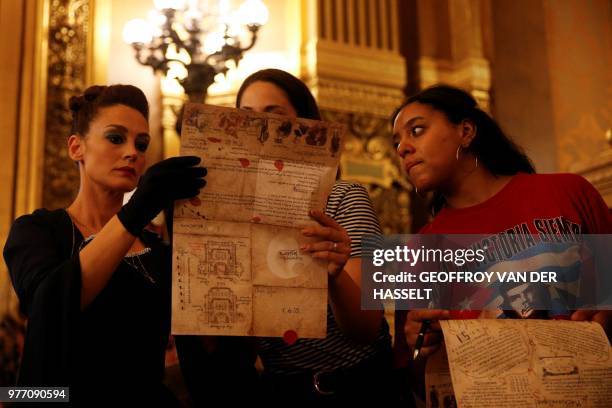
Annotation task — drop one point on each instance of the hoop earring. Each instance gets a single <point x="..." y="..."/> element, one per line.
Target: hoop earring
<point x="416" y="191"/>
<point x="457" y="156"/>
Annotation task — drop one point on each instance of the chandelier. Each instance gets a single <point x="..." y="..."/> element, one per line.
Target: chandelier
<point x="202" y="36"/>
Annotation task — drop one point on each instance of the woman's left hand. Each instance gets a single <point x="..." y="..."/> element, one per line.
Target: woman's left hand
<point x="333" y="242"/>
<point x="603" y="317"/>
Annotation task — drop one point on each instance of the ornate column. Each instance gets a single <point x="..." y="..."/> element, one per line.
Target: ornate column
<point x="351" y="61"/>
<point x="598" y="170"/>
<point x="453" y="40"/>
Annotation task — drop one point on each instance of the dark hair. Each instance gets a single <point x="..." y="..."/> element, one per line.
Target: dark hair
<point x="494" y="150"/>
<point x="85" y="107"/>
<point x="299" y="95"/>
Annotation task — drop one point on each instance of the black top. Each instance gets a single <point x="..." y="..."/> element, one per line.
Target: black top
<point x="116" y="344"/>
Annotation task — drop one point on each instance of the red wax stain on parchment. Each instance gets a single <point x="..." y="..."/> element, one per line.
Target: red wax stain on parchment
<point x="279" y="165"/>
<point x="214" y="139"/>
<point x="195" y="201"/>
<point x="244" y="162"/>
<point x="290" y="337"/>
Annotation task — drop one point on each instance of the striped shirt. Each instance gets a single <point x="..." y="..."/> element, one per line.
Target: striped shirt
<point x="349" y="204"/>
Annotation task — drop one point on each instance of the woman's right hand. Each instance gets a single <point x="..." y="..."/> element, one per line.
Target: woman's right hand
<point x="172" y="179"/>
<point x="433" y="338"/>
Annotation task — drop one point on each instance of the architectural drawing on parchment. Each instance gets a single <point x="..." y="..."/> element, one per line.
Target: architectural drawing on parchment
<point x="241" y="239"/>
<point x="221" y="259"/>
<point x="221" y="305"/>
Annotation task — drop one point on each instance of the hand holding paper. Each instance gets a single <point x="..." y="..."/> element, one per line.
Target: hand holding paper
<point x="333" y="242"/>
<point x="433" y="339"/>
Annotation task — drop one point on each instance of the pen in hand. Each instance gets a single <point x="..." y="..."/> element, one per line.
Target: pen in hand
<point x="419" y="341"/>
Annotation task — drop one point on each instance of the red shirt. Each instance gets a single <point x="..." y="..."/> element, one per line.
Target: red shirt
<point x="542" y="203"/>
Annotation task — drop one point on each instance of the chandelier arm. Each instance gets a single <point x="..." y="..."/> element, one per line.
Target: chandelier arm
<point x="253" y="28"/>
<point x="177" y="60"/>
<point x="209" y="56"/>
<point x="193" y="43"/>
<point x="178" y="43"/>
<point x="138" y="54"/>
<point x="168" y="32"/>
<point x="149" y="60"/>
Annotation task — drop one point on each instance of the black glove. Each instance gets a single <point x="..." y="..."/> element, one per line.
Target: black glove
<point x="171" y="179"/>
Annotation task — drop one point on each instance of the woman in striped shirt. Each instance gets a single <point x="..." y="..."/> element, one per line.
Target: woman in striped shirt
<point x="353" y="363"/>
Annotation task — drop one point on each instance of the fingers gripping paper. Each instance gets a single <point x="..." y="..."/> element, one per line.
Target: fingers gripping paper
<point x="237" y="265"/>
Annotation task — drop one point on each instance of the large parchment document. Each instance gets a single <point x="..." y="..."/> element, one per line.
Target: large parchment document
<point x="521" y="363"/>
<point x="237" y="264"/>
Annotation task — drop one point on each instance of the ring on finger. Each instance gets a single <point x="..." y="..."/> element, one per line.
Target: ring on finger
<point x="335" y="247"/>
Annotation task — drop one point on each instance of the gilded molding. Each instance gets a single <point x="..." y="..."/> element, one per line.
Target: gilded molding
<point x="66" y="76"/>
<point x="369" y="65"/>
<point x="349" y="96"/>
<point x="472" y="74"/>
<point x="370" y="159"/>
<point x="598" y="172"/>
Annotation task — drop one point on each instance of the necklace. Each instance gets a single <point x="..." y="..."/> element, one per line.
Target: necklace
<point x="137" y="264"/>
<point x="84" y="228"/>
<point x="133" y="259"/>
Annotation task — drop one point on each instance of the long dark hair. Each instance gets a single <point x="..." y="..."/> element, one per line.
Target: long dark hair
<point x="494" y="150"/>
<point x="298" y="93"/>
<point x="85" y="107"/>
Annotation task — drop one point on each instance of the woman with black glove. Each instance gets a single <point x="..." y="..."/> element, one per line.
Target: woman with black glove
<point x="93" y="282"/>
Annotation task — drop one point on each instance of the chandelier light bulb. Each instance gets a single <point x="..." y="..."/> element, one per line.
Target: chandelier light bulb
<point x="156" y="18"/>
<point x="137" y="31"/>
<point x="254" y="12"/>
<point x="193" y="17"/>
<point x="169" y="4"/>
<point x="213" y="42"/>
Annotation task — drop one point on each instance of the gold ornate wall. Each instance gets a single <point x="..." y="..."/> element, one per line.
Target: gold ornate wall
<point x="551" y="81"/>
<point x="351" y="60"/>
<point x="69" y="27"/>
<point x="581" y="88"/>
<point x="449" y="42"/>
